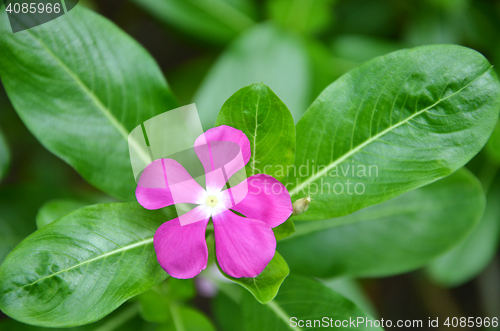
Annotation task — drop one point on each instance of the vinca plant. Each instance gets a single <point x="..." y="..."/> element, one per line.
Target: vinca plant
<point x="370" y="166"/>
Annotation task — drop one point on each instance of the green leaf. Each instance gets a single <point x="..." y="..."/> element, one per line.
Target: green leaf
<point x="124" y="319"/>
<point x="284" y="230"/>
<point x="396" y="236"/>
<point x="187" y="319"/>
<point x="304" y="299"/>
<point x="304" y="16"/>
<point x="83" y="266"/>
<point x="264" y="54"/>
<point x="471" y="256"/>
<point x="5" y="156"/>
<point x="266" y="285"/>
<point x="215" y="21"/>
<point x="90" y="99"/>
<point x="391" y="125"/>
<point x="267" y="123"/>
<point x="55" y="209"/>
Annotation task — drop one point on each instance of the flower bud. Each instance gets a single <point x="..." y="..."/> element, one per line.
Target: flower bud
<point x="300" y="206"/>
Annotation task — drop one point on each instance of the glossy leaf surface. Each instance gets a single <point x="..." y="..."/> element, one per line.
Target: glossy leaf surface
<point x="304" y="299"/>
<point x="81" y="105"/>
<point x="284" y="230"/>
<point x="399" y="235"/>
<point x="84" y="265"/>
<point x="266" y="285"/>
<point x="391" y="125"/>
<point x="267" y="123"/>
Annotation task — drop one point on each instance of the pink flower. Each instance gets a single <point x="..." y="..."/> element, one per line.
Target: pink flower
<point x="244" y="245"/>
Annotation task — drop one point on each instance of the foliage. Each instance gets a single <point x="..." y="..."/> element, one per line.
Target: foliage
<point x="67" y="272"/>
<point x="370" y="124"/>
<point x="393" y="237"/>
<point x="93" y="116"/>
<point x="267" y="123"/>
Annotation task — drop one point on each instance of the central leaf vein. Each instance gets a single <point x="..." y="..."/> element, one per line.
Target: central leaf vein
<point x="353" y="151"/>
<point x="103" y="256"/>
<point x="281" y="314"/>
<point x="100" y="106"/>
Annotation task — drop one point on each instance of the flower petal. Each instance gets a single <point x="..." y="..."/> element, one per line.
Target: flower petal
<point x="267" y="200"/>
<point x="181" y="250"/>
<point x="223" y="147"/>
<point x="199" y="213"/>
<point x="244" y="246"/>
<point x="216" y="181"/>
<point x="165" y="182"/>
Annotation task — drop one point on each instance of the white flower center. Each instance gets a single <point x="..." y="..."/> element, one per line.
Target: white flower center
<point x="211" y="201"/>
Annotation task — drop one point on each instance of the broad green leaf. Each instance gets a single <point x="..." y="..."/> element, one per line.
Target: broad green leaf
<point x="302" y="299"/>
<point x="123" y="319"/>
<point x="304" y="16"/>
<point x="396" y="236"/>
<point x="267" y="123"/>
<point x="5" y="156"/>
<point x="55" y="209"/>
<point x="391" y="125"/>
<point x="266" y="285"/>
<point x="82" y="266"/>
<point x="284" y="230"/>
<point x="98" y="84"/>
<point x="471" y="256"/>
<point x="187" y="319"/>
<point x="215" y="21"/>
<point x="265" y="54"/>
